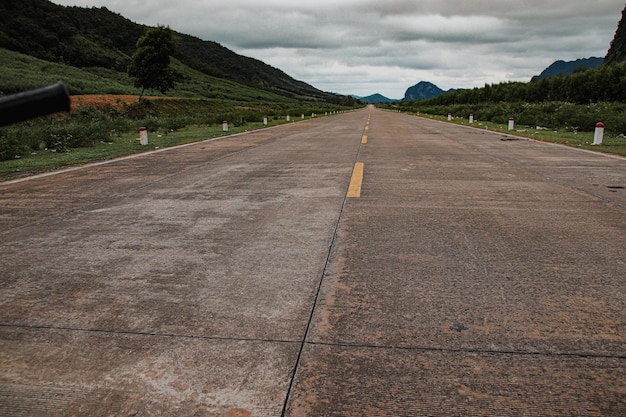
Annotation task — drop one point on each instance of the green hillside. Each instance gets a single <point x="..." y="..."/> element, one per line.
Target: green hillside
<point x="100" y="43"/>
<point x="22" y="72"/>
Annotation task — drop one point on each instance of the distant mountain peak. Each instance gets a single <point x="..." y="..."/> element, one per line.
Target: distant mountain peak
<point x="568" y="67"/>
<point x="422" y="91"/>
<point x="375" y="99"/>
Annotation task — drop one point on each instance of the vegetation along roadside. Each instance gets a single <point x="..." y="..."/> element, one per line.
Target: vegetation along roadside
<point x="108" y="128"/>
<point x="562" y="109"/>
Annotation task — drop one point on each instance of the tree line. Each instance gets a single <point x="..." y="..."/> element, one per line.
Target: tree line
<point x="604" y="84"/>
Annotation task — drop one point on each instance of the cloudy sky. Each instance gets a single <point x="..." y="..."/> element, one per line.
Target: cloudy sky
<point x="363" y="47"/>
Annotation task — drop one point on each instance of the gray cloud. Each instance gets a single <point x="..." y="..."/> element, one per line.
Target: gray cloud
<point x="368" y="46"/>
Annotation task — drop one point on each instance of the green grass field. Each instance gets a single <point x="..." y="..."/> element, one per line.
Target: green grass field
<point x="22" y="72"/>
<point x="613" y="144"/>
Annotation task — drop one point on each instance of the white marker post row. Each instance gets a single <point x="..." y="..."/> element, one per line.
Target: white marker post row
<point x="597" y="137"/>
<point x="225" y="125"/>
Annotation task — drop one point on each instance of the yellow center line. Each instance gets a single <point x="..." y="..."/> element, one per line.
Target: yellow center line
<point x="367" y="127"/>
<point x="364" y="139"/>
<point x="354" y="190"/>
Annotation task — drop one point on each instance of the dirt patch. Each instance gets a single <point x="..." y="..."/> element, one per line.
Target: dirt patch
<point x="249" y="108"/>
<point x="116" y="101"/>
<point x="238" y="412"/>
<point x="102" y="100"/>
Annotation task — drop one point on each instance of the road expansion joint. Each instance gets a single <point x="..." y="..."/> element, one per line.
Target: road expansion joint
<point x="146" y="334"/>
<point x="520" y="353"/>
<point x="331" y="247"/>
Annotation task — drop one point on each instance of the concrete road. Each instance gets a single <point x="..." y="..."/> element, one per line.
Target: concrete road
<point x="370" y="263"/>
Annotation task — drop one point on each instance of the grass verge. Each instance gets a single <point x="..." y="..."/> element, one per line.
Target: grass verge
<point x="122" y="145"/>
<point x="611" y="144"/>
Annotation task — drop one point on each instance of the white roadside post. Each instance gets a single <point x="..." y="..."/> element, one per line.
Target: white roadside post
<point x="471" y="118"/>
<point x="449" y="116"/>
<point x="511" y="123"/>
<point x="302" y="116"/>
<point x="225" y="126"/>
<point x="143" y="135"/>
<point x="599" y="134"/>
<point x="288" y="118"/>
<point x="264" y="120"/>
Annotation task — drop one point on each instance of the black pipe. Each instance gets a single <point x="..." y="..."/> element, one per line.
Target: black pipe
<point x="34" y="103"/>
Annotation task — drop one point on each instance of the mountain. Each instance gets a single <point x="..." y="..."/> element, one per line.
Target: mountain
<point x="375" y="99"/>
<point x="422" y="91"/>
<point x="567" y="68"/>
<point x="617" y="51"/>
<point x="97" y="37"/>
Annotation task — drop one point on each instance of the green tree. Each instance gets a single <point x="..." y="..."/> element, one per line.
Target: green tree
<point x="150" y="64"/>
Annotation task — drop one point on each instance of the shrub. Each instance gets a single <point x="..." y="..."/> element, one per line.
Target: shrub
<point x="12" y="144"/>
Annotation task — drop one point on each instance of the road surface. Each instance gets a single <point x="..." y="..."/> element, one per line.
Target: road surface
<point x="369" y="263"/>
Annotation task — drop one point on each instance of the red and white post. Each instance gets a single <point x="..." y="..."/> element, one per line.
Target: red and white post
<point x="143" y="135"/>
<point x="599" y="134"/>
<point x="511" y="123"/>
<point x="225" y="126"/>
